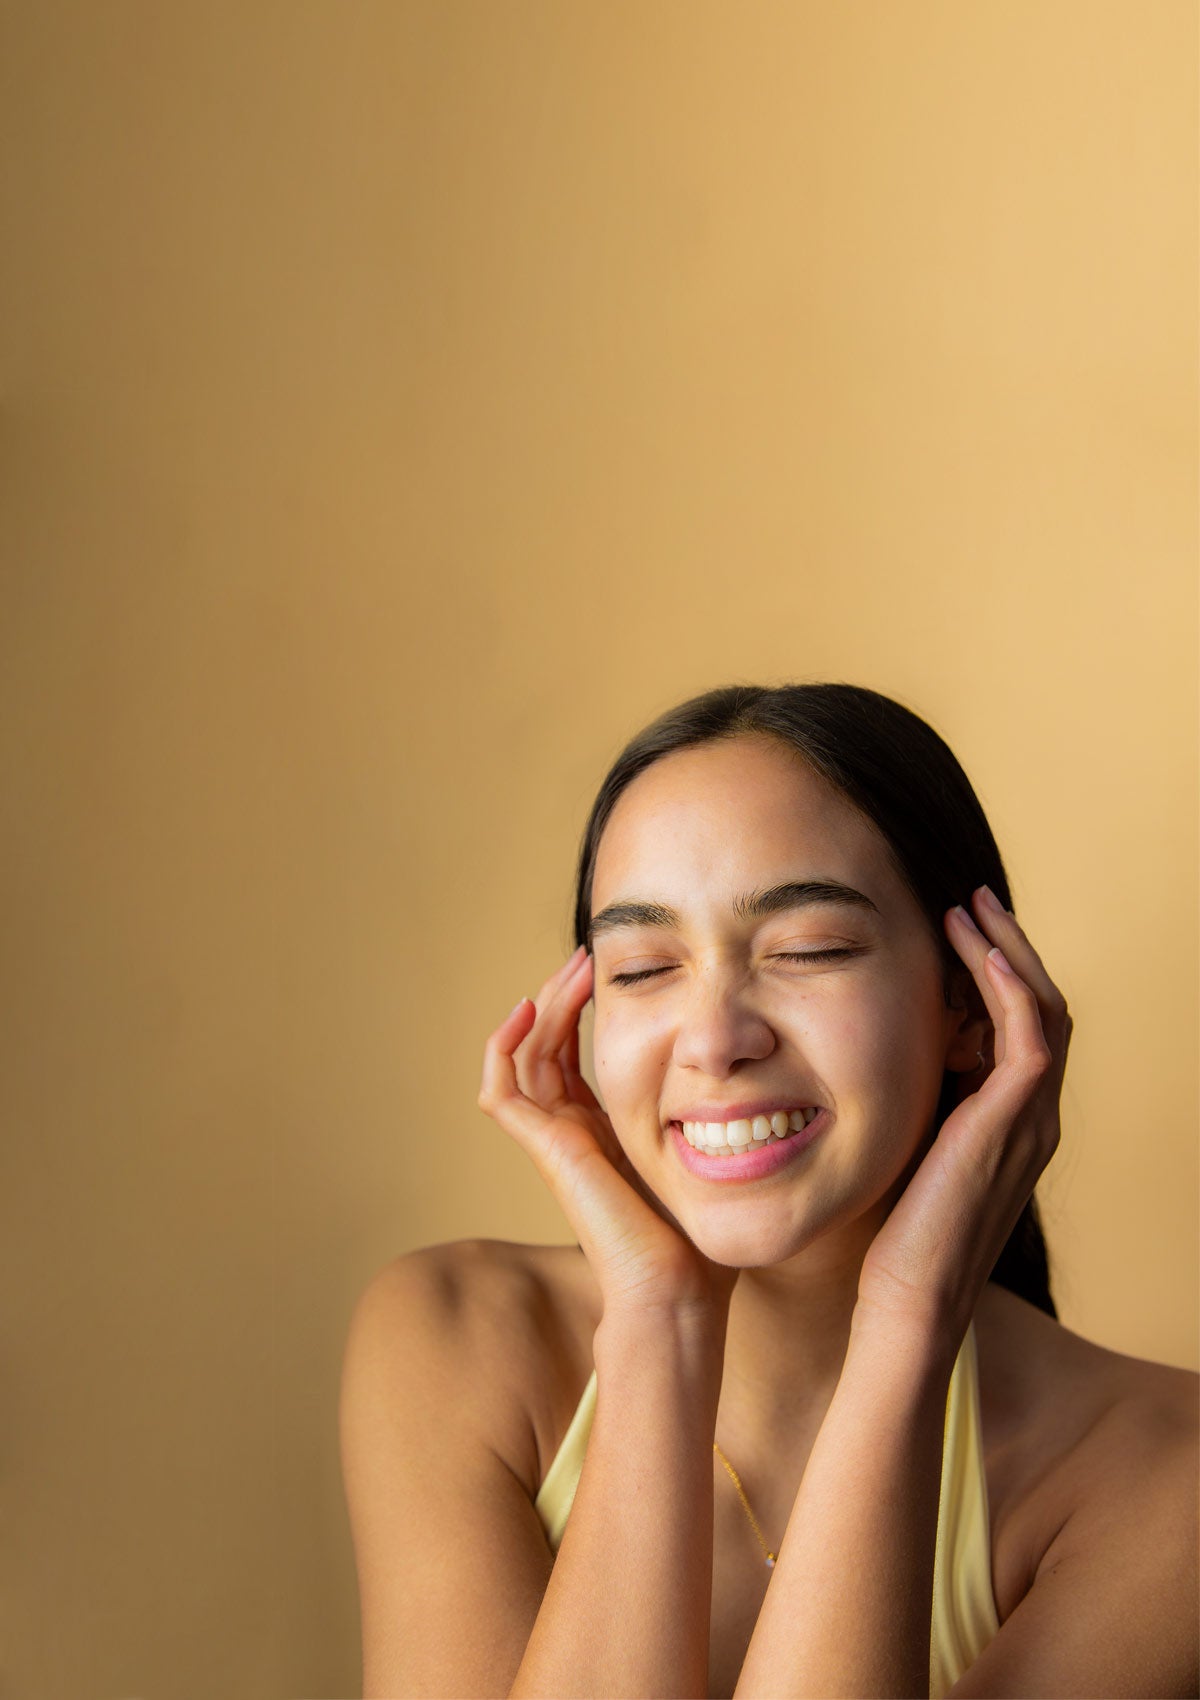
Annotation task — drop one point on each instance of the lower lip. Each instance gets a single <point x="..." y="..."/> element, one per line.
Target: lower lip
<point x="751" y="1165"/>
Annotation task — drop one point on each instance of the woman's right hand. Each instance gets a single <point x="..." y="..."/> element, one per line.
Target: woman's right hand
<point x="533" y="1087"/>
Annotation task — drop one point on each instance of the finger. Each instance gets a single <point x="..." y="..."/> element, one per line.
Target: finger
<point x="1023" y="1054"/>
<point x="580" y="1177"/>
<point x="527" y="1059"/>
<point x="551" y="1140"/>
<point x="1019" y="1035"/>
<point x="560" y="976"/>
<point x="500" y="1095"/>
<point x="1016" y="1122"/>
<point x="591" y="1185"/>
<point x="1003" y="929"/>
<point x="568" y="1060"/>
<point x="579" y="1092"/>
<point x="973" y="947"/>
<point x="1025" y="1045"/>
<point x="539" y="1070"/>
<point x="568" y="1056"/>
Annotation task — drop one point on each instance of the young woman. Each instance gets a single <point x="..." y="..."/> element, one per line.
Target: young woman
<point x="795" y="1416"/>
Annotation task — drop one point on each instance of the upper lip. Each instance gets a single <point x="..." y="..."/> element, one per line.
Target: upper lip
<point x="746" y="1110"/>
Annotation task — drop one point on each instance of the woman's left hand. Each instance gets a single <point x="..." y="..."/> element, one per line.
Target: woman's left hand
<point x="929" y="1262"/>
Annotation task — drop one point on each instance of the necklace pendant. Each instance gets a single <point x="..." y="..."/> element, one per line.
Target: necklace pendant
<point x="770" y="1561"/>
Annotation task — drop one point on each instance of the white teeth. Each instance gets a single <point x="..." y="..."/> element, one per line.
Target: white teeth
<point x="745" y="1134"/>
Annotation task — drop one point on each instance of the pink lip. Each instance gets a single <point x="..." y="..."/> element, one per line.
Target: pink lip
<point x="753" y="1164"/>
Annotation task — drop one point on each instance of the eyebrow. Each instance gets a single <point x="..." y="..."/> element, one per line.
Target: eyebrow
<point x="752" y="905"/>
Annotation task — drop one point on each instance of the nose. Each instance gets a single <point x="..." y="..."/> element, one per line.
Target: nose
<point x="720" y="1027"/>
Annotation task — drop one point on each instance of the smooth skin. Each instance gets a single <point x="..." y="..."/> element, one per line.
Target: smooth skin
<point x="809" y="1320"/>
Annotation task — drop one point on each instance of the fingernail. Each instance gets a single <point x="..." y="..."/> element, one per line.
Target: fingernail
<point x="992" y="901"/>
<point x="515" y="1008"/>
<point x="997" y="956"/>
<point x="964" y="917"/>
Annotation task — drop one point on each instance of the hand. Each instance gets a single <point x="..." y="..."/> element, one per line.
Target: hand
<point x="932" y="1257"/>
<point x="533" y="1087"/>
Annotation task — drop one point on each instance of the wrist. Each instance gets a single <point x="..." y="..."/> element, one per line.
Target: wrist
<point x="917" y="1346"/>
<point x="689" y="1338"/>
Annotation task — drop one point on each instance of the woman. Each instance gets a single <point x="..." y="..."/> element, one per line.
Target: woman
<point x="796" y="1412"/>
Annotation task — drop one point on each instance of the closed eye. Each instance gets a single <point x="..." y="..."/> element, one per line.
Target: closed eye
<point x="780" y="956"/>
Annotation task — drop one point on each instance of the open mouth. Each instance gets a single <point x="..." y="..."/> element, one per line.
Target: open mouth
<point x="758" y="1133"/>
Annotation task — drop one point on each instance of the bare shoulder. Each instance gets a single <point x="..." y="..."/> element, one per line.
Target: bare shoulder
<point x="451" y="1363"/>
<point x="501" y="1329"/>
<point x="1085" y="1448"/>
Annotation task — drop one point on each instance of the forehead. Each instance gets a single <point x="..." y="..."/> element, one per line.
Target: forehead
<point x="730" y="816"/>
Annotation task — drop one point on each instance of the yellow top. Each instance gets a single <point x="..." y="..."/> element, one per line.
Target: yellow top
<point x="964" y="1611"/>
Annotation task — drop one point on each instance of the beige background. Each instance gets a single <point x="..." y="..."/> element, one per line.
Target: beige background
<point x="402" y="403"/>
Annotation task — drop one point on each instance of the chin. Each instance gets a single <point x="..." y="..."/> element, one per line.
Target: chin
<point x="738" y="1244"/>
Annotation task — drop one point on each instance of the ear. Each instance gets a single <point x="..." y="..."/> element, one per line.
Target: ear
<point x="968" y="1025"/>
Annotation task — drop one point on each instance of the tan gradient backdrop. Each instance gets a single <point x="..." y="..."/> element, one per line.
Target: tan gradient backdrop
<point x="403" y="402"/>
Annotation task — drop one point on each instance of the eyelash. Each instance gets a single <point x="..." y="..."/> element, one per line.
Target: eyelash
<point x="780" y="956"/>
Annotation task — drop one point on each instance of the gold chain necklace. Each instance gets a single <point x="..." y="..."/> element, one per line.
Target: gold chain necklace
<point x="737" y="1482"/>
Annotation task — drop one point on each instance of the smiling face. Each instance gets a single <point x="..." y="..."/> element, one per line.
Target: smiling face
<point x="725" y="1024"/>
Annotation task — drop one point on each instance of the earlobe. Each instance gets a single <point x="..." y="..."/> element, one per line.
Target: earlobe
<point x="968" y="1030"/>
<point x="967" y="1055"/>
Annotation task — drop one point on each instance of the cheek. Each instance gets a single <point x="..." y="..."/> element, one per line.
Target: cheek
<point x="896" y="1036"/>
<point x="631" y="1056"/>
<point x="871" y="1032"/>
<point x="623" y="1056"/>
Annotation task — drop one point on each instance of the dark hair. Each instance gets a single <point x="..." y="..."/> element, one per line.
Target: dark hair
<point x="907" y="781"/>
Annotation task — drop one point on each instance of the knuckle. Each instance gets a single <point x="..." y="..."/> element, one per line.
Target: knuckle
<point x="1028" y="996"/>
<point x="1037" y="1061"/>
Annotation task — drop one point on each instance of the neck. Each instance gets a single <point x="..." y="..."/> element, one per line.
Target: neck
<point x="789" y="1326"/>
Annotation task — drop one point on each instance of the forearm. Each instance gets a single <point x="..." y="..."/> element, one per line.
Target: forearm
<point x="627" y="1608"/>
<point x="849" y="1604"/>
